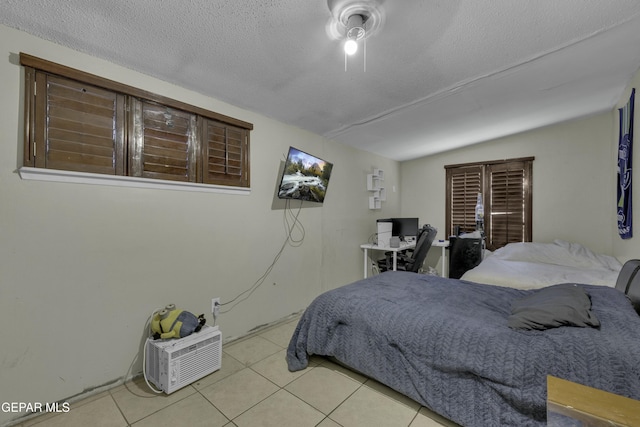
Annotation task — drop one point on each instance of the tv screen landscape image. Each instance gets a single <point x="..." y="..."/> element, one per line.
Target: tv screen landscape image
<point x="305" y="177"/>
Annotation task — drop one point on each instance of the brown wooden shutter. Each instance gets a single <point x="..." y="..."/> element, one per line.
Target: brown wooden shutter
<point x="508" y="205"/>
<point x="164" y="143"/>
<point x="78" y="127"/>
<point x="82" y="122"/>
<point x="226" y="156"/>
<point x="465" y="184"/>
<point x="507" y="191"/>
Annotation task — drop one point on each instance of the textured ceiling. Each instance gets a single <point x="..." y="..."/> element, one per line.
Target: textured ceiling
<point x="440" y="74"/>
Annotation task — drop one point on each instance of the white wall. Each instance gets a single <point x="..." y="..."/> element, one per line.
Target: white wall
<point x="573" y="181"/>
<point x="83" y="266"/>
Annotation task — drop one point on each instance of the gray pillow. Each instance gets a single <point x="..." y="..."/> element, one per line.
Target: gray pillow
<point x="558" y="305"/>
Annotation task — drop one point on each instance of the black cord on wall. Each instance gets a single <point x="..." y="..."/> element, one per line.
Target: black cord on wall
<point x="291" y="224"/>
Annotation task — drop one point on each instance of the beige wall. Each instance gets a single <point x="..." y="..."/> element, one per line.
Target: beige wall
<point x="83" y="266"/>
<point x="573" y="181"/>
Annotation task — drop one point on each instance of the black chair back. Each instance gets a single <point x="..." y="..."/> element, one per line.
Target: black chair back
<point x="629" y="282"/>
<point x="425" y="239"/>
<point x="627" y="274"/>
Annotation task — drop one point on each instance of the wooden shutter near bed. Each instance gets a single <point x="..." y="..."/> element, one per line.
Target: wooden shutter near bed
<point x="465" y="184"/>
<point x="507" y="195"/>
<point x="508" y="202"/>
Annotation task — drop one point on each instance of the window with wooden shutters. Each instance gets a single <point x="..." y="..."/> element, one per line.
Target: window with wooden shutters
<point x="226" y="153"/>
<point x="164" y="143"/>
<point x="463" y="186"/>
<point x="507" y="198"/>
<point x="508" y="203"/>
<point x="75" y="121"/>
<point x="76" y="127"/>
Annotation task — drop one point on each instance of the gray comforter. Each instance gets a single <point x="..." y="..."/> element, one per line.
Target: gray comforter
<point x="446" y="344"/>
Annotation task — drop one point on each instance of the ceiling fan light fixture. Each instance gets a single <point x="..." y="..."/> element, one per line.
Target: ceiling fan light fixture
<point x="355" y="31"/>
<point x="353" y="21"/>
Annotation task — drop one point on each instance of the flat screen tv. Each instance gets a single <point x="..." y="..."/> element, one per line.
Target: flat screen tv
<point x="305" y="177"/>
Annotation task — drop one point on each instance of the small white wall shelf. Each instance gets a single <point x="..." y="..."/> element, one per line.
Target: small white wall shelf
<point x="375" y="183"/>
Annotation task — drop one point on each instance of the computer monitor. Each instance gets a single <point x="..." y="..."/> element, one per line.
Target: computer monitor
<point x="405" y="227"/>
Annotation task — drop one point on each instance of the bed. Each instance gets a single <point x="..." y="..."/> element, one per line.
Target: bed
<point x="448" y="344"/>
<point x="533" y="265"/>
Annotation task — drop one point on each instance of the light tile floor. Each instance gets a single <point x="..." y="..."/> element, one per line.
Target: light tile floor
<point x="254" y="388"/>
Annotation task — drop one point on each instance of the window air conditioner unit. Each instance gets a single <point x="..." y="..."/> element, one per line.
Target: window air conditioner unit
<point x="174" y="363"/>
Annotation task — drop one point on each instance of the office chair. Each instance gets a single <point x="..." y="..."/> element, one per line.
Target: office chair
<point x="411" y="259"/>
<point x="629" y="282"/>
<point x="627" y="275"/>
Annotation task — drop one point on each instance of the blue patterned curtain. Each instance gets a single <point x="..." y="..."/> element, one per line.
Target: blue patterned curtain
<point x="625" y="145"/>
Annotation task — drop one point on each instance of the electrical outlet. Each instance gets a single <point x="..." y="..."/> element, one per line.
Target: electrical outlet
<point x="215" y="305"/>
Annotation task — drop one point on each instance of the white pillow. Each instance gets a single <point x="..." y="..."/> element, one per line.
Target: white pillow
<point x="558" y="253"/>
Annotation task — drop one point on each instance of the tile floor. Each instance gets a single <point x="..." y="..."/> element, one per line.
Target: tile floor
<point x="253" y="388"/>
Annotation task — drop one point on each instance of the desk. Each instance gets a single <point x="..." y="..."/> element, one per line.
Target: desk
<point x="444" y="244"/>
<point x="403" y="246"/>
<point x="372" y="246"/>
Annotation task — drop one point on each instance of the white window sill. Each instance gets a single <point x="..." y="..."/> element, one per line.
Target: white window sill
<point x="39" y="174"/>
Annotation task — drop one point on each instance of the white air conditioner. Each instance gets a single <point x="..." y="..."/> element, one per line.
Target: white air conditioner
<point x="174" y="363"/>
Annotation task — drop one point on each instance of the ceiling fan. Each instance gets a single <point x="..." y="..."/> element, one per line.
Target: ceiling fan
<point x="353" y="22"/>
